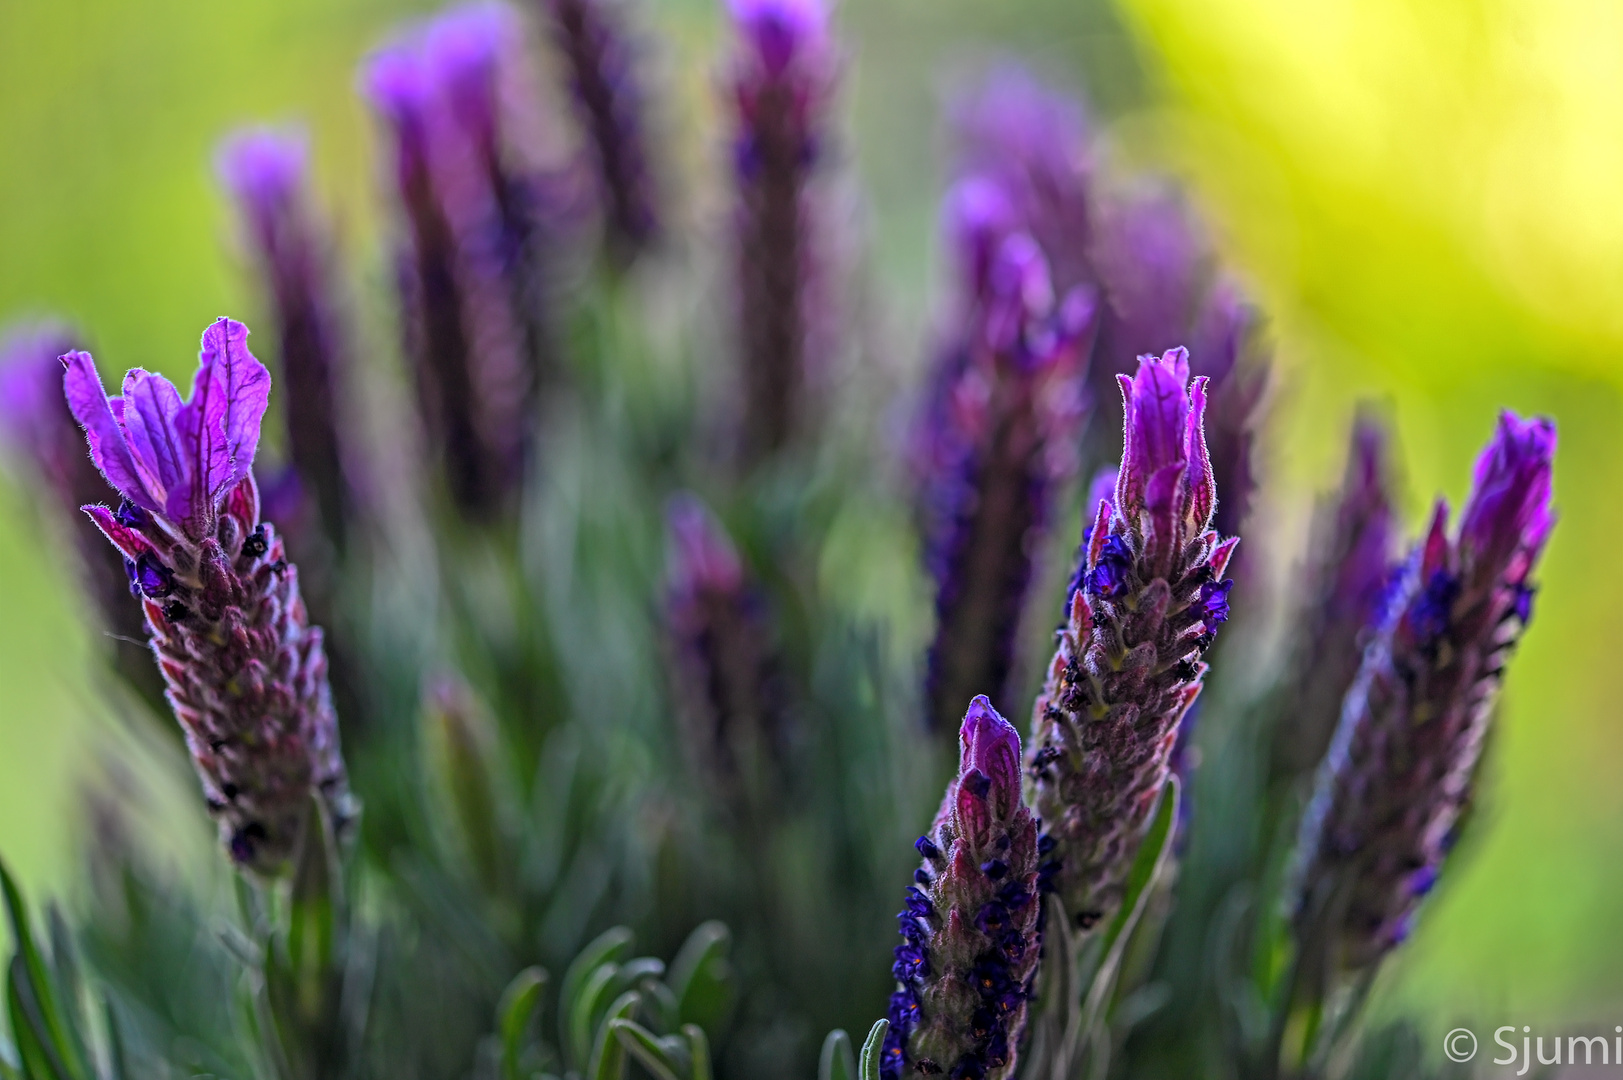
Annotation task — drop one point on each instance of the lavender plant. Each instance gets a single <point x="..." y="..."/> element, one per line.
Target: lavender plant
<point x="584" y="713"/>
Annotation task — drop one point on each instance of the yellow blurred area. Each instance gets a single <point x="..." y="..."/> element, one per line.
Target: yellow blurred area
<point x="1425" y="194"/>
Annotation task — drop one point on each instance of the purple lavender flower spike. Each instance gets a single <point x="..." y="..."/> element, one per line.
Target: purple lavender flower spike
<point x="246" y="673"/>
<point x="724" y="664"/>
<point x="608" y="99"/>
<point x="266" y="173"/>
<point x="1128" y="665"/>
<point x="1354" y="547"/>
<point x="467" y="277"/>
<point x="1403" y="764"/>
<point x="996" y="440"/>
<point x="782" y="79"/>
<point x="971" y="930"/>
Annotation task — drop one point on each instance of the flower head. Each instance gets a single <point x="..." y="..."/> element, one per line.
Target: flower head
<point x="245" y="673"/>
<point x="1402" y="767"/>
<point x="1147" y="599"/>
<point x="970" y="934"/>
<point x="176" y="458"/>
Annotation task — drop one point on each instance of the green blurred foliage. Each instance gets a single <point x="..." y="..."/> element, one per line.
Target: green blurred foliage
<point x="1418" y="194"/>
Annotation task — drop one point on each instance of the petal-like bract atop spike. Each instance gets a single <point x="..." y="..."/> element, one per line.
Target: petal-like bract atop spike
<point x="1509" y="502"/>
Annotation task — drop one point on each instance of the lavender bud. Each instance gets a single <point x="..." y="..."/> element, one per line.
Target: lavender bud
<point x="246" y="673"/>
<point x="1403" y="764"/>
<point x="1353" y="542"/>
<point x="467" y="280"/>
<point x="725" y="665"/>
<point x="609" y="103"/>
<point x="995" y="442"/>
<point x="1129" y="664"/>
<point x="266" y="173"/>
<point x="970" y="939"/>
<point x="781" y="83"/>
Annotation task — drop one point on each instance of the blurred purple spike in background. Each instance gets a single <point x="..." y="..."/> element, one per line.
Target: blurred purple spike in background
<point x="1353" y="546"/>
<point x="466" y="281"/>
<point x="266" y="173"/>
<point x="1403" y="763"/>
<point x="971" y="934"/>
<point x="725" y="663"/>
<point x="246" y="674"/>
<point x="606" y="86"/>
<point x="781" y="82"/>
<point x="993" y="445"/>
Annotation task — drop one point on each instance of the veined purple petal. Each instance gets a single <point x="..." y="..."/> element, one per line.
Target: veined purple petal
<point x="231" y="391"/>
<point x="782" y="30"/>
<point x="264" y="169"/>
<point x="1510" y="497"/>
<point x="108" y="450"/>
<point x="991" y="744"/>
<point x="150" y="419"/>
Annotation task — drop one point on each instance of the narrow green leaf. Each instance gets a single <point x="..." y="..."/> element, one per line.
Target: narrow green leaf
<point x="609" y="947"/>
<point x="584" y="1011"/>
<point x="868" y="1063"/>
<point x="514" y="1012"/>
<point x="39" y="1058"/>
<point x="699" y="1050"/>
<point x="838" y="1060"/>
<point x="646" y="1048"/>
<point x="702" y="978"/>
<point x="633" y="972"/>
<point x="53" y="1020"/>
<point x="608" y="1060"/>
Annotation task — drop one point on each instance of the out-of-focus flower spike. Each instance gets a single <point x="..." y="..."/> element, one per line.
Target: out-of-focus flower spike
<point x="246" y="674"/>
<point x="468" y="279"/>
<point x="608" y="96"/>
<point x="266" y="173"/>
<point x="971" y="929"/>
<point x="725" y="665"/>
<point x="782" y="81"/>
<point x="996" y="440"/>
<point x="1354" y="541"/>
<point x="1403" y="763"/>
<point x="1128" y="665"/>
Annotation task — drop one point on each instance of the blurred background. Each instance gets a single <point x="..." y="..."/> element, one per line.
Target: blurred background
<point x="1421" y="195"/>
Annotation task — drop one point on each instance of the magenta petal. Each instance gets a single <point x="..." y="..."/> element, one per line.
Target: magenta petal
<point x="151" y="408"/>
<point x="232" y="390"/>
<point x="88" y="402"/>
<point x="991" y="744"/>
<point x="1202" y="492"/>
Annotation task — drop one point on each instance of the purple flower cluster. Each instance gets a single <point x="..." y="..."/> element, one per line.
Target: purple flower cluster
<point x="609" y="102"/>
<point x="970" y="930"/>
<point x="1128" y="666"/>
<point x="1403" y="763"/>
<point x="246" y="674"/>
<point x="725" y="663"/>
<point x="781" y="83"/>
<point x="469" y="280"/>
<point x="266" y="173"/>
<point x="995" y="441"/>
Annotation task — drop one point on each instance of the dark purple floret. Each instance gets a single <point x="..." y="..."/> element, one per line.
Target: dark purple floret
<point x="1214" y="604"/>
<point x="927" y="849"/>
<point x="151" y="577"/>
<point x="977" y="783"/>
<point x="1108" y="577"/>
<point x="1523" y="607"/>
<point x="995" y="869"/>
<point x="912" y="963"/>
<point x="1434" y="607"/>
<point x="918" y="903"/>
<point x="129" y="515"/>
<point x="904" y="1010"/>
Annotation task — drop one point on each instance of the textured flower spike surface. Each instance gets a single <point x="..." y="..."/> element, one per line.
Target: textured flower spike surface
<point x="1129" y="662"/>
<point x="246" y="674"/>
<point x="782" y="79"/>
<point x="603" y="79"/>
<point x="266" y="172"/>
<point x="1403" y="763"/>
<point x="970" y="932"/>
<point x="997" y="439"/>
<point x="465" y="282"/>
